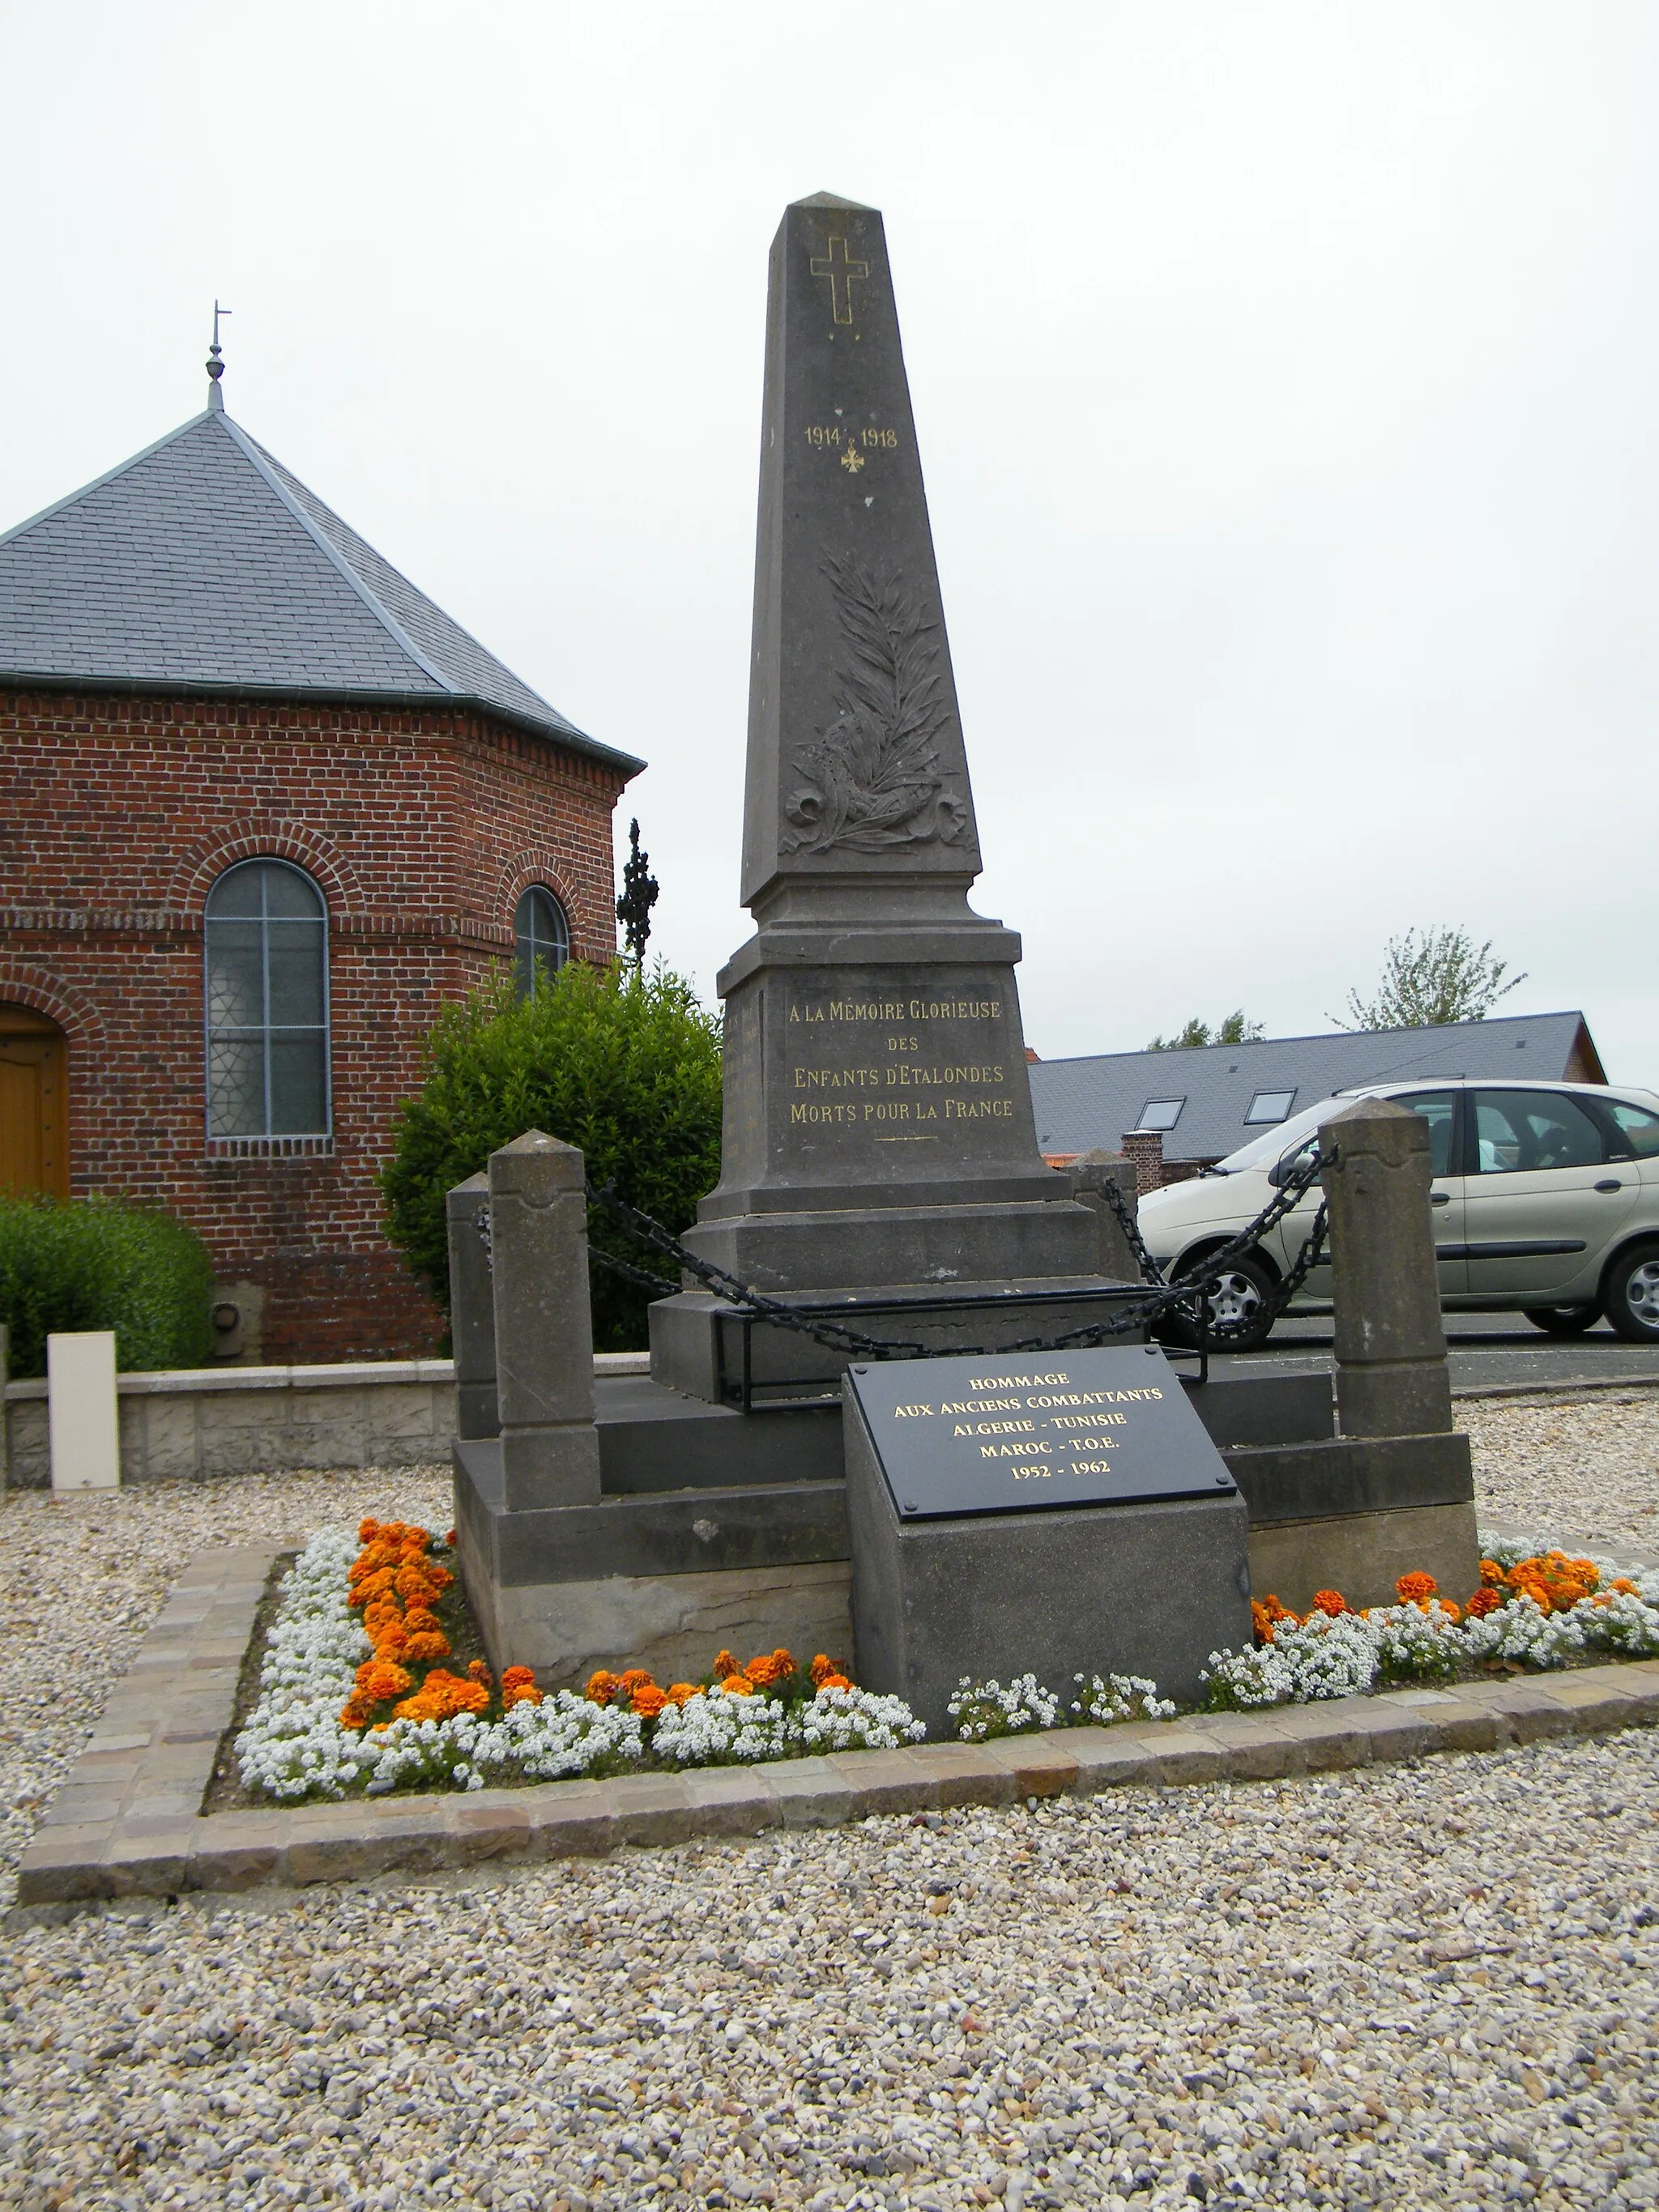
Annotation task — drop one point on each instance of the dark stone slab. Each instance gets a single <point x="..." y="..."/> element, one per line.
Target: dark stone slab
<point x="1265" y="1409"/>
<point x="1002" y="1433"/>
<point x="656" y="1533"/>
<point x="655" y="1439"/>
<point x="1351" y="1474"/>
<point x="1058" y="1593"/>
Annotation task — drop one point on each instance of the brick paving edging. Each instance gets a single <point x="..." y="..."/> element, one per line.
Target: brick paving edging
<point x="126" y="1822"/>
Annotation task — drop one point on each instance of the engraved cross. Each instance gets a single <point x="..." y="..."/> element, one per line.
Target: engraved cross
<point x="843" y="273"/>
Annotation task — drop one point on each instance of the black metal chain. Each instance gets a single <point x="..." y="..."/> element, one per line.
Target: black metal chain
<point x="1161" y="1299"/>
<point x="1149" y="1270"/>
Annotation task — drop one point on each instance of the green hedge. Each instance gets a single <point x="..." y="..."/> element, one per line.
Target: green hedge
<point x="625" y="1065"/>
<point x="95" y="1263"/>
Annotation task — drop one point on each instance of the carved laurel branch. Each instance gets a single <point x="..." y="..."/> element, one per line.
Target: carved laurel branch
<point x="871" y="781"/>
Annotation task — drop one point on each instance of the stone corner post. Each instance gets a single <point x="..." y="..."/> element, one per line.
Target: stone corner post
<point x="1392" y="1379"/>
<point x="543" y="1324"/>
<point x="472" y="1308"/>
<point x="1090" y="1173"/>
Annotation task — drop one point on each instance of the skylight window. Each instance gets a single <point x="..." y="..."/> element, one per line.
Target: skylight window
<point x="1160" y="1113"/>
<point x="1269" y="1106"/>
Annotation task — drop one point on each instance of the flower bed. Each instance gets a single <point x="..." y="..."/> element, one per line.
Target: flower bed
<point x="357" y="1693"/>
<point x="354" y="1695"/>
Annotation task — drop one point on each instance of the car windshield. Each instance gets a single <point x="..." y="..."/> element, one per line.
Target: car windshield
<point x="1261" y="1152"/>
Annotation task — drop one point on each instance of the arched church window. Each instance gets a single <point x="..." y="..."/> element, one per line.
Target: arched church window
<point x="266" y="929"/>
<point x="541" y="932"/>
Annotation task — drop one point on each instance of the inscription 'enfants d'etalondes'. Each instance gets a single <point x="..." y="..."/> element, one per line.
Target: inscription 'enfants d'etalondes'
<point x="901" y="1057"/>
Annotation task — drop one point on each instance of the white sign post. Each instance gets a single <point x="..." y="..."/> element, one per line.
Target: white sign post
<point x="83" y="1416"/>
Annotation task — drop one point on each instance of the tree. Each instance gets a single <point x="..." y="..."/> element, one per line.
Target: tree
<point x="1233" y="1029"/>
<point x="1427" y="980"/>
<point x="623" y="1063"/>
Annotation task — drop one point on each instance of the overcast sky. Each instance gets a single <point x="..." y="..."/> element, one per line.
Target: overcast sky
<point x="1284" y="378"/>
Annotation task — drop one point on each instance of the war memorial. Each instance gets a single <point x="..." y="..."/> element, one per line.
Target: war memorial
<point x="903" y="1403"/>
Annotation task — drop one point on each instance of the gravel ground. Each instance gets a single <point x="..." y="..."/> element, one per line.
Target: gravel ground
<point x="1400" y="1987"/>
<point x="1408" y="1987"/>
<point x="1584" y="1469"/>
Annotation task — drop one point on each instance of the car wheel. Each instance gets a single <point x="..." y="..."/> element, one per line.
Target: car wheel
<point x="1238" y="1309"/>
<point x="1632" y="1299"/>
<point x="1563" y="1321"/>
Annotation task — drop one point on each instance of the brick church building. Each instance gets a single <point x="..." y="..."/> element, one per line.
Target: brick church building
<point x="267" y="809"/>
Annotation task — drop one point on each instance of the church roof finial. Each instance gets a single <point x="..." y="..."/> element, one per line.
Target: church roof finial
<point x="216" y="368"/>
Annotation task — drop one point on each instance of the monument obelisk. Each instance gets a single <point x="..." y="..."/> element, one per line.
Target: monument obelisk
<point x="877" y="1132"/>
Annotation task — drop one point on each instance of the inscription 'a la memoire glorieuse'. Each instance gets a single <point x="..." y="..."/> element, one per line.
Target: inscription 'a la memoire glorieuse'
<point x="1044" y="1424"/>
<point x="933" y="1085"/>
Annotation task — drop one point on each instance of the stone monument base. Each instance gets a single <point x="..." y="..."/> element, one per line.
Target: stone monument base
<point x="1147" y="1589"/>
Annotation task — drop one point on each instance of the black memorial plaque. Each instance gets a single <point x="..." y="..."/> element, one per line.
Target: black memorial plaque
<point x="1002" y="1433"/>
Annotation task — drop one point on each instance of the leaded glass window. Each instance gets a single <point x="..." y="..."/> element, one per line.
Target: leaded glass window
<point x="266" y="929"/>
<point x="541" y="932"/>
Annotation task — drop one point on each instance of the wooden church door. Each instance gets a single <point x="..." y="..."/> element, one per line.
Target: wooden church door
<point x="33" y="1116"/>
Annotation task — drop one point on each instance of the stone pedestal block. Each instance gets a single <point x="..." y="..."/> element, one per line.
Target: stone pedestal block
<point x="543" y="1324"/>
<point x="1391" y="1374"/>
<point x="1148" y="1589"/>
<point x="472" y="1308"/>
<point x="1090" y="1173"/>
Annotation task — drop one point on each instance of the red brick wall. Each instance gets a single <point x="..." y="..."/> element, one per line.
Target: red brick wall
<point x="420" y="829"/>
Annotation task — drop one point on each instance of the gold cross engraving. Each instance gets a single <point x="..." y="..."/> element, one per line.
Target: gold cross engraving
<point x="843" y="274"/>
<point x="852" y="460"/>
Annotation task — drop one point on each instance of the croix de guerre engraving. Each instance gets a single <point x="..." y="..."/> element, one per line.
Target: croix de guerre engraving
<point x="843" y="273"/>
<point x="871" y="781"/>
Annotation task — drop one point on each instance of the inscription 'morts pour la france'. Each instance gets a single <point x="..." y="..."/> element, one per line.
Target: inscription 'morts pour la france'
<point x="996" y="1432"/>
<point x="902" y="1068"/>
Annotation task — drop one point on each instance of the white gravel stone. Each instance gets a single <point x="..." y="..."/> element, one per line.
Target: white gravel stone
<point x="1405" y="1986"/>
<point x="1401" y="1987"/>
<point x="1582" y="1469"/>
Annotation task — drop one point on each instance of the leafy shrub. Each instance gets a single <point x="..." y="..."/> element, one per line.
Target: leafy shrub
<point x="624" y="1065"/>
<point x="95" y="1263"/>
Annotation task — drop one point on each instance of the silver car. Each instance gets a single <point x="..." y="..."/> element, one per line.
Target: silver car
<point x="1546" y="1197"/>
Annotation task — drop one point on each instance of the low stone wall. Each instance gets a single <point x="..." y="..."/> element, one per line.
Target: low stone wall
<point x="195" y="1423"/>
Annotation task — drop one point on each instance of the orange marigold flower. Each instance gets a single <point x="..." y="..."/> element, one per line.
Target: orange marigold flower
<point x="420" y="1616"/>
<point x="1413" y="1590"/>
<point x="636" y="1678"/>
<point x="379" y="1679"/>
<point x="1491" y="1573"/>
<point x="677" y="1692"/>
<point x="821" y="1667"/>
<point x="1624" y="1586"/>
<point x="602" y="1687"/>
<point x="477" y="1672"/>
<point x="1330" y="1601"/>
<point x="440" y="1697"/>
<point x="372" y="1585"/>
<point x="518" y="1687"/>
<point x="354" y="1715"/>
<point x="648" y="1700"/>
<point x="1260" y="1622"/>
<point x="737" y="1685"/>
<point x="835" y="1682"/>
<point x="451" y="1540"/>
<point x="1486" y="1600"/>
<point x="725" y="1664"/>
<point x="391" y="1642"/>
<point x="430" y="1644"/>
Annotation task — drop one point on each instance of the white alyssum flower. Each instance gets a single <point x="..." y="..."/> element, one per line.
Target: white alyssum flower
<point x="1120" y="1697"/>
<point x="563" y="1735"/>
<point x="985" y="1709"/>
<point x="293" y="1745"/>
<point x="713" y="1725"/>
<point x="855" y="1720"/>
<point x="1414" y="1643"/>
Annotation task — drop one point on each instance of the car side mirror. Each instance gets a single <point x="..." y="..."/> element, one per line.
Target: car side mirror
<point x="1282" y="1169"/>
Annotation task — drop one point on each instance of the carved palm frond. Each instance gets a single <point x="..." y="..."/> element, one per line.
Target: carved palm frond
<point x="872" y="780"/>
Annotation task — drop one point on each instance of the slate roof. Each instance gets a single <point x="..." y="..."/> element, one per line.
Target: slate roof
<point x="1083" y="1103"/>
<point x="201" y="565"/>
